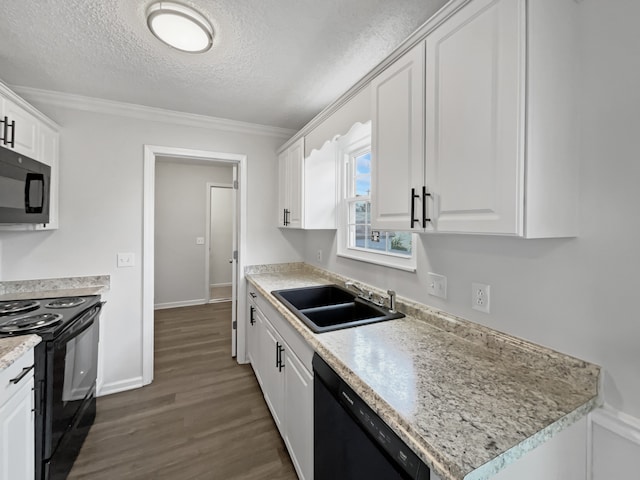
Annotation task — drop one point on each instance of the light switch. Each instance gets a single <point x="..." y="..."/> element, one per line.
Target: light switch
<point x="126" y="259"/>
<point x="437" y="285"/>
<point x="199" y="240"/>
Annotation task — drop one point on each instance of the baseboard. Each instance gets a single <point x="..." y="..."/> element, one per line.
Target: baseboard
<point x="613" y="444"/>
<point x="120" y="386"/>
<point x="214" y="285"/>
<point x="186" y="303"/>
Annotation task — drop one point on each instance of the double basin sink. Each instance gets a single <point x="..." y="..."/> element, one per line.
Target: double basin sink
<point x="325" y="308"/>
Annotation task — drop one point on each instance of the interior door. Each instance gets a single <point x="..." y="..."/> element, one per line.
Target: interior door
<point x="234" y="262"/>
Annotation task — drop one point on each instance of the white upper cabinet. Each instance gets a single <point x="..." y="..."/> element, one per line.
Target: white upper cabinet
<point x="22" y="129"/>
<point x="500" y="124"/>
<point x="397" y="143"/>
<point x="475" y="65"/>
<point x="291" y="185"/>
<point x="307" y="195"/>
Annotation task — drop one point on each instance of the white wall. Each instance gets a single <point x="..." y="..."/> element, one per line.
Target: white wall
<point x="101" y="184"/>
<point x="180" y="216"/>
<point x="578" y="295"/>
<point x="220" y="270"/>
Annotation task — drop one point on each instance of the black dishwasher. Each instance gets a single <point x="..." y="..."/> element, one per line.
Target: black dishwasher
<point x="350" y="441"/>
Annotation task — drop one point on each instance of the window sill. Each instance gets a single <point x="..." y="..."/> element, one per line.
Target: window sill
<point x="381" y="260"/>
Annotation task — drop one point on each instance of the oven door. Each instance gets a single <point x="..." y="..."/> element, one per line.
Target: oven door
<point x="24" y="189"/>
<point x="73" y="371"/>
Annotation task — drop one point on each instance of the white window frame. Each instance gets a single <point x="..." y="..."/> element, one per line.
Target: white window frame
<point x="355" y="143"/>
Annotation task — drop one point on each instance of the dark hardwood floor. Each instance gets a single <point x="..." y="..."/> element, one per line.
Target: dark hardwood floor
<point x="203" y="417"/>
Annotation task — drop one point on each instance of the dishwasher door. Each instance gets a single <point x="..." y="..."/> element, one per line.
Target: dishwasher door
<point x="350" y="441"/>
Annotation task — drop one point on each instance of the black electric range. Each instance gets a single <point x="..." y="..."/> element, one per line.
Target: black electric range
<point x="65" y="371"/>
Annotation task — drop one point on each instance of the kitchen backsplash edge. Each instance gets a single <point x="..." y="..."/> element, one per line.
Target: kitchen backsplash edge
<point x="54" y="284"/>
<point x="574" y="370"/>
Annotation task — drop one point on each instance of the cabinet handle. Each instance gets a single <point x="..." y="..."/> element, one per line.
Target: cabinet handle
<point x="278" y="355"/>
<point x="13" y="134"/>
<point x="22" y="374"/>
<point x="413" y="207"/>
<point x="5" y="127"/>
<point x="425" y="218"/>
<point x="252" y="294"/>
<point x="281" y="364"/>
<point x="251" y="319"/>
<point x="286" y="217"/>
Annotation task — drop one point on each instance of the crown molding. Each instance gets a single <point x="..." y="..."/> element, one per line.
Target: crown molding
<point x="141" y="112"/>
<point x="411" y="41"/>
<point x="8" y="93"/>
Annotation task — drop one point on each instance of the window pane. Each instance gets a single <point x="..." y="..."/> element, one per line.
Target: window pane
<point x="359" y="236"/>
<point x="363" y="175"/>
<point x="360" y="213"/>
<point x="400" y="243"/>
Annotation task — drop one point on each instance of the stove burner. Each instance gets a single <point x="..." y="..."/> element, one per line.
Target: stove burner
<point x="65" y="302"/>
<point x="17" y="306"/>
<point x="30" y="322"/>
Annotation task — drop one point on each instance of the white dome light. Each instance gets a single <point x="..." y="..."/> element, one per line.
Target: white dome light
<point x="180" y="27"/>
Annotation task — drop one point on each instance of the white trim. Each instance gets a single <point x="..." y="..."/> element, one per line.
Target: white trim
<point x="9" y="94"/>
<point x="214" y="285"/>
<point x="183" y="303"/>
<point x="142" y="112"/>
<point x="120" y="386"/>
<point x="150" y="154"/>
<point x="620" y="423"/>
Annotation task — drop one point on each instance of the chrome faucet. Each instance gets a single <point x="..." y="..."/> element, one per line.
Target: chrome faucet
<point x="392" y="301"/>
<point x="357" y="288"/>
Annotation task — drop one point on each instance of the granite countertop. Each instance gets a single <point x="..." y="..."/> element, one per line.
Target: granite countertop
<point x="466" y="399"/>
<point x="12" y="348"/>
<point x="54" y="287"/>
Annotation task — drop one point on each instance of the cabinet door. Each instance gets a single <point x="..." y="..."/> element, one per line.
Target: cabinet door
<point x="49" y="148"/>
<point x="475" y="79"/>
<point x="283" y="200"/>
<point x="397" y="143"/>
<point x="17" y="433"/>
<point x="295" y="184"/>
<point x="298" y="403"/>
<point x="252" y="334"/>
<point x="26" y="131"/>
<point x="272" y="376"/>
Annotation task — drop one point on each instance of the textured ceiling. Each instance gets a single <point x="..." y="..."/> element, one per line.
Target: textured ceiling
<point x="274" y="62"/>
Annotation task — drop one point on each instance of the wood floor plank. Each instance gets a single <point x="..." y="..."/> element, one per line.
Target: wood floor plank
<point x="203" y="417"/>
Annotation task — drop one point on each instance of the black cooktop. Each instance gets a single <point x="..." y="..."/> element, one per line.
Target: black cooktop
<point x="46" y="317"/>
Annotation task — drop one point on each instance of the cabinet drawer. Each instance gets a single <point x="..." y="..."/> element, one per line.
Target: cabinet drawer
<point x="13" y="371"/>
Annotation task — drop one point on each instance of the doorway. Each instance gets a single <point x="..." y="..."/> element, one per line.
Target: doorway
<point x="152" y="154"/>
<point x="220" y="241"/>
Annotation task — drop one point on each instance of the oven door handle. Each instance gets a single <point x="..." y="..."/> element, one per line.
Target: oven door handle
<point x="81" y="325"/>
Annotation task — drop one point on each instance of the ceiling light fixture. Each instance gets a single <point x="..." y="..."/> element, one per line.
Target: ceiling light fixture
<point x="180" y="27"/>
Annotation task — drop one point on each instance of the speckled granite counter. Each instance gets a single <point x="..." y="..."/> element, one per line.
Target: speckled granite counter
<point x="466" y="399"/>
<point x="13" y="348"/>
<point x="54" y="287"/>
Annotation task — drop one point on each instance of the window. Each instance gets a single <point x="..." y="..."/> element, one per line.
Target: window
<point x="356" y="238"/>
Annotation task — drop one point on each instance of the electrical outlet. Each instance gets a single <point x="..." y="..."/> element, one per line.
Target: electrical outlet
<point x="437" y="285"/>
<point x="199" y="240"/>
<point x="481" y="297"/>
<point x="319" y="255"/>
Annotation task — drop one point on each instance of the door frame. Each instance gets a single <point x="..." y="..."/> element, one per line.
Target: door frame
<point x="151" y="152"/>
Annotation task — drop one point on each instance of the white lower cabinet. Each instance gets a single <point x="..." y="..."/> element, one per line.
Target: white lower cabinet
<point x="281" y="361"/>
<point x="17" y="443"/>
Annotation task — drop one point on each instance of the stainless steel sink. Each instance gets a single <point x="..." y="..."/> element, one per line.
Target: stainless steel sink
<point x="330" y="307"/>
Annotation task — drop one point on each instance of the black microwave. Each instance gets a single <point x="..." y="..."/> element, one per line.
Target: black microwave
<point x="24" y="189"/>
